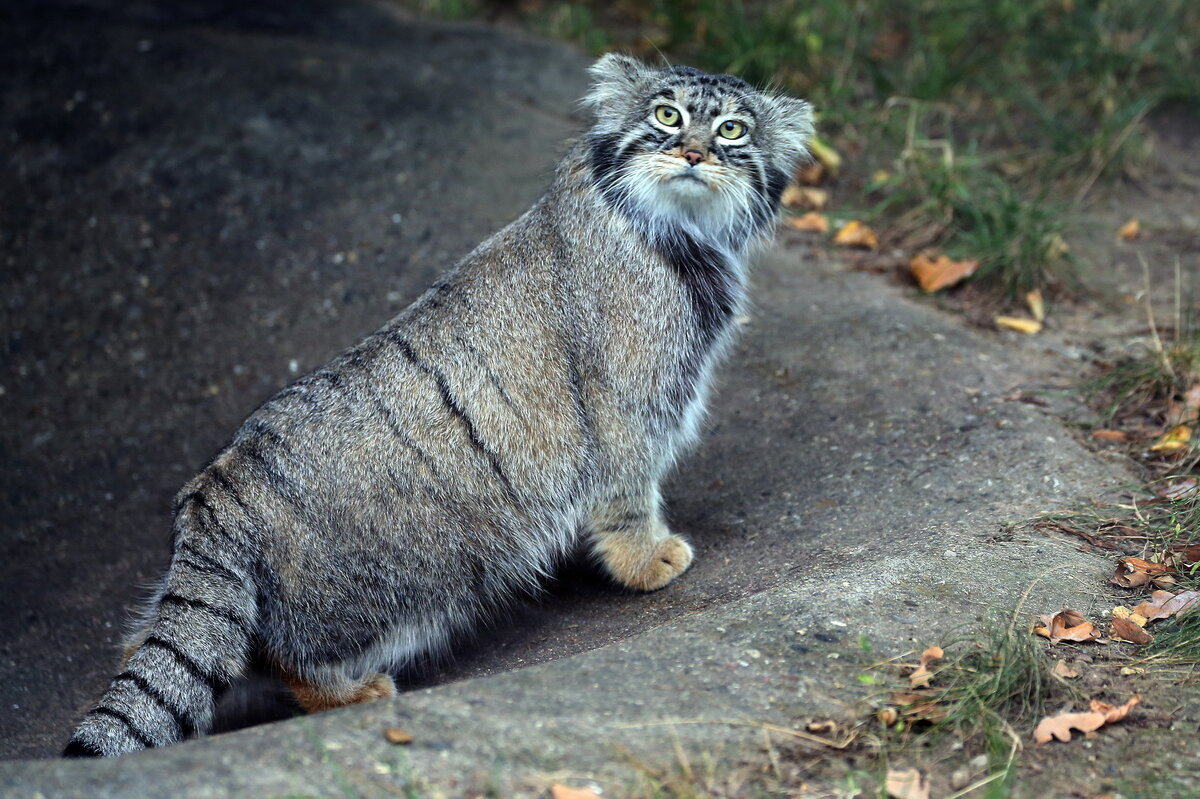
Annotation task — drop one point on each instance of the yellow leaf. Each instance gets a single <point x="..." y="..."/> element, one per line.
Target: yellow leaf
<point x="938" y="273"/>
<point x="1130" y="230"/>
<point x="1037" y="305"/>
<point x="856" y="234"/>
<point x="1026" y="326"/>
<point x="811" y="221"/>
<point x="1174" y="440"/>
<point x="828" y="156"/>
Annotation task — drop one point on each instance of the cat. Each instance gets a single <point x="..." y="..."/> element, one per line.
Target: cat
<point x="533" y="397"/>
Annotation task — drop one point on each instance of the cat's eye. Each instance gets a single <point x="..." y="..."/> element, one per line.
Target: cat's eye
<point x="667" y="115"/>
<point x="731" y="129"/>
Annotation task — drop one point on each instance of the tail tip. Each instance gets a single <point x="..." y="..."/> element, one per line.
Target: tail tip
<point x="77" y="749"/>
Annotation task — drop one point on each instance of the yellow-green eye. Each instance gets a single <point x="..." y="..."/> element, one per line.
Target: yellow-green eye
<point x="667" y="116"/>
<point x="731" y="129"/>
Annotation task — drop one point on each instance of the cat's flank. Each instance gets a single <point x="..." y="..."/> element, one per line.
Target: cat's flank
<point x="536" y="395"/>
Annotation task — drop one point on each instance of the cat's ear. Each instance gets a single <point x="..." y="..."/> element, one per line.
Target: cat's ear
<point x="792" y="121"/>
<point x="616" y="78"/>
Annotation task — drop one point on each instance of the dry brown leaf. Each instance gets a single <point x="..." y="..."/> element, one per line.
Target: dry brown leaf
<point x="1060" y="726"/>
<point x="1164" y="604"/>
<point x="811" y="174"/>
<point x="395" y="735"/>
<point x="812" y="221"/>
<point x="921" y="674"/>
<point x="1128" y="630"/>
<point x="1061" y="669"/>
<point x="558" y="791"/>
<point x="934" y="271"/>
<point x="918" y="707"/>
<point x="1133" y="572"/>
<point x="1067" y="625"/>
<point x="1115" y="712"/>
<point x="1174" y="440"/>
<point x="1185" y="555"/>
<point x="856" y="234"/>
<point x="1130" y="230"/>
<point x="1177" y="489"/>
<point x="1020" y="324"/>
<point x="1115" y="436"/>
<point x="804" y="197"/>
<point x="1037" y="306"/>
<point x="907" y="784"/>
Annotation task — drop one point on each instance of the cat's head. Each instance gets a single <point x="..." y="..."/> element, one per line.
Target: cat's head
<point x="676" y="144"/>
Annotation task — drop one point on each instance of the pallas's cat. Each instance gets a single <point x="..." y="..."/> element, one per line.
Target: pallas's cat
<point x="536" y="395"/>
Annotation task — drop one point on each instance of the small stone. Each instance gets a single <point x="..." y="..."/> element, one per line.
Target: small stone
<point x="960" y="779"/>
<point x="395" y="735"/>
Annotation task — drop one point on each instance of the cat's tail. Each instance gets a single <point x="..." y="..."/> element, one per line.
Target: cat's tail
<point x="196" y="638"/>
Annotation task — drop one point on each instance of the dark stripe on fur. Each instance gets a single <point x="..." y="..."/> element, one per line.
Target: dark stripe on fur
<point x="706" y="275"/>
<point x="134" y="732"/>
<point x="203" y="563"/>
<point x="456" y="410"/>
<point x="186" y="728"/>
<point x="204" y="607"/>
<point x="81" y="749"/>
<point x="214" y="684"/>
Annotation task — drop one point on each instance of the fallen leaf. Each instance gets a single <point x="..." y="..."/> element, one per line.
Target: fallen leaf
<point x="395" y="735"/>
<point x="1061" y="669"/>
<point x="1122" y="612"/>
<point x="804" y="197"/>
<point x="810" y="221"/>
<point x="1133" y="572"/>
<point x="558" y="791"/>
<point x="1067" y="625"/>
<point x="934" y="271"/>
<point x="1177" y="489"/>
<point x="1185" y="555"/>
<point x="1115" y="436"/>
<point x="811" y="174"/>
<point x="1115" y="712"/>
<point x="826" y="155"/>
<point x="1060" y="726"/>
<point x="921" y="675"/>
<point x="907" y="784"/>
<point x="1127" y="630"/>
<point x="1164" y="604"/>
<point x="1020" y="324"/>
<point x="1130" y="230"/>
<point x="1037" y="306"/>
<point x="856" y="234"/>
<point x="1175" y="440"/>
<point x="917" y="707"/>
<point x="827" y="727"/>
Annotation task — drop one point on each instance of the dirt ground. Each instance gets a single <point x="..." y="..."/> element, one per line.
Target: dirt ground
<point x="204" y="200"/>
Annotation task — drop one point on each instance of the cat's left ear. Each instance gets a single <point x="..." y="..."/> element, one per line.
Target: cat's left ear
<point x="615" y="79"/>
<point x="793" y="121"/>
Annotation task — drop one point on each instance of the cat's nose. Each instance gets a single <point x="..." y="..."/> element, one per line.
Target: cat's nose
<point x="694" y="157"/>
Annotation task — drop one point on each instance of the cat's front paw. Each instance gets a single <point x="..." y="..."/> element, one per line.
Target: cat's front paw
<point x="631" y="567"/>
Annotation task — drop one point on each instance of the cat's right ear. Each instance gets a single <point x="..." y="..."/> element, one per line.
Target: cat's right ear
<point x="615" y="79"/>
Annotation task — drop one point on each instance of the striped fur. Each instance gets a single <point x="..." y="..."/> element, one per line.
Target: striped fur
<point x="538" y="393"/>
